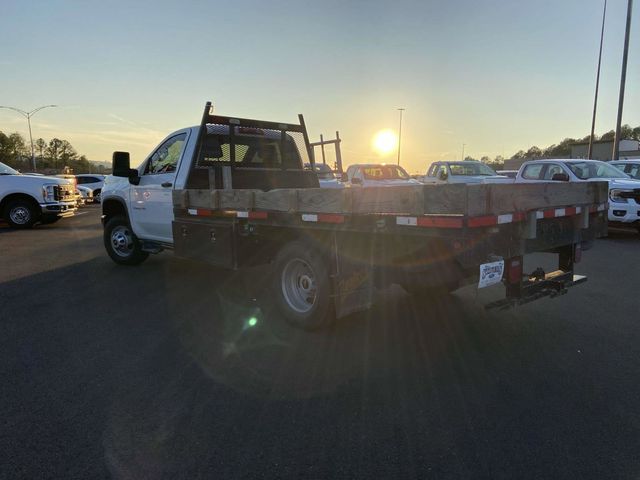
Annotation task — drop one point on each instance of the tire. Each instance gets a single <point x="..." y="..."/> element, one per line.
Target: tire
<point x="49" y="219"/>
<point x="21" y="213"/>
<point x="301" y="287"/>
<point x="121" y="244"/>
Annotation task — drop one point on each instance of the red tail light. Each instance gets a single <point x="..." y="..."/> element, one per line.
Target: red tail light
<point x="514" y="270"/>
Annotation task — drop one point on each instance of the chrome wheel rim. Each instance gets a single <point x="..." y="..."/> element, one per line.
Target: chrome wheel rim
<point x="122" y="241"/>
<point x="299" y="285"/>
<point x="20" y="215"/>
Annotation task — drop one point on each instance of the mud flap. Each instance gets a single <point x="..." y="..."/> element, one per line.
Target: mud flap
<point x="353" y="285"/>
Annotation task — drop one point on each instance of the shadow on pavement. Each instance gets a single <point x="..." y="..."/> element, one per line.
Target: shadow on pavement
<point x="160" y="371"/>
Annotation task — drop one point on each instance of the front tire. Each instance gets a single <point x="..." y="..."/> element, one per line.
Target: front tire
<point x="302" y="288"/>
<point x="21" y="213"/>
<point x="121" y="243"/>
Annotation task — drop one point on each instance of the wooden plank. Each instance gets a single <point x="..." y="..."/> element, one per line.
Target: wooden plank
<point x="401" y="199"/>
<point x="472" y="200"/>
<point x="445" y="199"/>
<point x="496" y="199"/>
<point x="236" y="199"/>
<point x="180" y="198"/>
<point x="324" y="200"/>
<point x="280" y="200"/>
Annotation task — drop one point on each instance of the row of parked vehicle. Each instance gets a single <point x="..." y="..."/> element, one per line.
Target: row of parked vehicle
<point x="623" y="177"/>
<point x="30" y="198"/>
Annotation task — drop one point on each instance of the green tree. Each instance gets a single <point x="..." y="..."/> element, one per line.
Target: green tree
<point x="609" y="136"/>
<point x="67" y="152"/>
<point x="53" y="151"/>
<point x="533" y="152"/>
<point x="40" y="146"/>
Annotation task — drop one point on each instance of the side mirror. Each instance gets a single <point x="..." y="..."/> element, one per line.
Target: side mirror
<point x="560" y="177"/>
<point x="344" y="177"/>
<point x="356" y="181"/>
<point x="121" y="165"/>
<point x="443" y="175"/>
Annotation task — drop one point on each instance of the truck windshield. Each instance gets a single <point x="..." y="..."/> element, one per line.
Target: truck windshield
<point x="7" y="170"/>
<point x="587" y="170"/>
<point x="385" y="172"/>
<point x="469" y="169"/>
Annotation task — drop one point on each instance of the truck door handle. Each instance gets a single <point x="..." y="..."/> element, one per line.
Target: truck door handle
<point x="166" y="184"/>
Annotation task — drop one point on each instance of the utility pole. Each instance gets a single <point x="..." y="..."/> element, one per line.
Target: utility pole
<point x="28" y="116"/>
<point x="623" y="78"/>
<point x="400" y="133"/>
<point x="463" y="145"/>
<point x="595" y="98"/>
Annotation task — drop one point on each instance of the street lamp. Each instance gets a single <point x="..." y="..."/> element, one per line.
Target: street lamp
<point x="28" y="116"/>
<point x="400" y="133"/>
<point x="623" y="79"/>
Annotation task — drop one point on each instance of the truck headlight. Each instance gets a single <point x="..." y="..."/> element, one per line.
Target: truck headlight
<point x="619" y="196"/>
<point x="48" y="194"/>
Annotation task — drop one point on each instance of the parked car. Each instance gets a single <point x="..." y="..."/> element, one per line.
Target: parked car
<point x="94" y="182"/>
<point x="86" y="193"/>
<point x="326" y="176"/>
<point x="26" y="200"/>
<point x="624" y="192"/>
<point x="377" y="175"/>
<point x="467" y="171"/>
<point x="630" y="167"/>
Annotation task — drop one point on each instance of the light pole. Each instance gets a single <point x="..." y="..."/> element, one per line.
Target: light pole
<point x="623" y="78"/>
<point x="28" y="116"/>
<point x="463" y="145"/>
<point x="400" y="133"/>
<point x="595" y="98"/>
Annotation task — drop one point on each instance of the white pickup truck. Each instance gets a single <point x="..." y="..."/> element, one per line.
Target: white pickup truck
<point x="624" y="191"/>
<point x="26" y="200"/>
<point x="467" y="171"/>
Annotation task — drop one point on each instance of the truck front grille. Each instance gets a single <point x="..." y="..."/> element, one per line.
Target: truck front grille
<point x="63" y="193"/>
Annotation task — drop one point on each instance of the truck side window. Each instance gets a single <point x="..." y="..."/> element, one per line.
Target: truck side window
<point x="165" y="158"/>
<point x="532" y="172"/>
<point x="552" y="169"/>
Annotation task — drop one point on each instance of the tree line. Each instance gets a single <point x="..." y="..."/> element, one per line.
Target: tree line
<point x="561" y="149"/>
<point x="54" y="155"/>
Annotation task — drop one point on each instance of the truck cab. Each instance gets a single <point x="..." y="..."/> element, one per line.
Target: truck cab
<point x="226" y="155"/>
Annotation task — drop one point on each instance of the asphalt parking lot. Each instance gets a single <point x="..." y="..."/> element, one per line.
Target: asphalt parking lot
<point x="160" y="371"/>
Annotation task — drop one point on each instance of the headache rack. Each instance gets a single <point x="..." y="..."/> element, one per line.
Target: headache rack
<point x="240" y="153"/>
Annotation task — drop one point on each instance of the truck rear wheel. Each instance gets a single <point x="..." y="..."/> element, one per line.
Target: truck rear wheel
<point x="121" y="243"/>
<point x="21" y="213"/>
<point x="302" y="287"/>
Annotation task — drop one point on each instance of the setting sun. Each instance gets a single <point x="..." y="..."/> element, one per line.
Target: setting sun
<point x="385" y="141"/>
